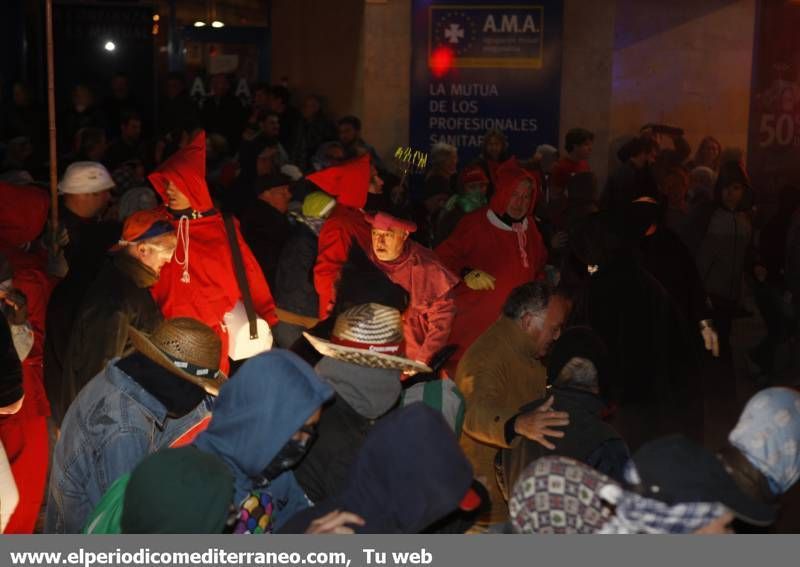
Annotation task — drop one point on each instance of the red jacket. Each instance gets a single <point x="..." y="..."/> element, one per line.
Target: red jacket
<point x="22" y="220"/>
<point x="349" y="183"/>
<point x="481" y="241"/>
<point x="335" y="239"/>
<point x="429" y="318"/>
<point x="212" y="289"/>
<point x="565" y="168"/>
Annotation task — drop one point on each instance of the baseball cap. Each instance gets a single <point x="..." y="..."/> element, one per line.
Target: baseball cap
<point x="143" y="225"/>
<point x="676" y="470"/>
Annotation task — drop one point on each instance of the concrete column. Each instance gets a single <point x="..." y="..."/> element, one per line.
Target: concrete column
<point x="386" y="74"/>
<point x="588" y="52"/>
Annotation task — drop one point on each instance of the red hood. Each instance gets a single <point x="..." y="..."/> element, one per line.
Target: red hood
<point x="508" y="176"/>
<point x="348" y="182"/>
<point x="23" y="214"/>
<point x="186" y="168"/>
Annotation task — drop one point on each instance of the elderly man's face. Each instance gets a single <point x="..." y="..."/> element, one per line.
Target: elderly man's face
<point x="557" y="311"/>
<point x="388" y="244"/>
<point x="520" y="200"/>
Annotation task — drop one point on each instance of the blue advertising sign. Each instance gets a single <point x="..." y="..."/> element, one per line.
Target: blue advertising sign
<point x="480" y="65"/>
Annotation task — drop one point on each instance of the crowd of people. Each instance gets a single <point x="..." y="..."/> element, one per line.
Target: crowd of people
<point x="244" y="321"/>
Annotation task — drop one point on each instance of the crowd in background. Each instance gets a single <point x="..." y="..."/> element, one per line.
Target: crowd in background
<point x="245" y="321"/>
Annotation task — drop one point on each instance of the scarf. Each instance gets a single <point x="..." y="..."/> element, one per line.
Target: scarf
<point x="768" y="435"/>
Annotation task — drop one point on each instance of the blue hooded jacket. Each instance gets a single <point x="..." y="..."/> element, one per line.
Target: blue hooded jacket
<point x="257" y="412"/>
<point x="409" y="473"/>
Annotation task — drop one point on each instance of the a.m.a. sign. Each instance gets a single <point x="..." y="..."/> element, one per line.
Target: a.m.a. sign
<point x="488" y="36"/>
<point x="479" y="65"/>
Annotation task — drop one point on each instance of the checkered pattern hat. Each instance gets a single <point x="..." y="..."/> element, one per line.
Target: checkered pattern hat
<point x="559" y="495"/>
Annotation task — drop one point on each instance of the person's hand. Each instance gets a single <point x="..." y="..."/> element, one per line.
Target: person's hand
<point x="710" y="337"/>
<point x="559" y="240"/>
<point x="479" y="280"/>
<point x="336" y="522"/>
<point x="536" y="425"/>
<point x="17" y="303"/>
<point x="761" y="273"/>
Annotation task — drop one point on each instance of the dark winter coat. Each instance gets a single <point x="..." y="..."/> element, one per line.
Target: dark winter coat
<point x="225" y="116"/>
<point x="294" y="280"/>
<point x="118" y="297"/>
<point x="266" y="230"/>
<point x="85" y="253"/>
<point x="587" y="439"/>
<point x="363" y="396"/>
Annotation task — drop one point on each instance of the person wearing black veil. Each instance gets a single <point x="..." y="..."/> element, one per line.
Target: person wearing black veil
<point x="651" y="354"/>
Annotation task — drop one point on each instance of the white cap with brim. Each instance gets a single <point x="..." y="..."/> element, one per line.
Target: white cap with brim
<point x="85" y="177"/>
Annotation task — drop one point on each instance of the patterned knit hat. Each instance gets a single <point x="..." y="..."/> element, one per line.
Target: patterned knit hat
<point x="368" y="335"/>
<point x="559" y="495"/>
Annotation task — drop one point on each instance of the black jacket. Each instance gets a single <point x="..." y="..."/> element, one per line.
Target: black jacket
<point x="342" y="430"/>
<point x="266" y="230"/>
<point x="85" y="254"/>
<point x="119" y="297"/>
<point x="294" y="281"/>
<point x="587" y="439"/>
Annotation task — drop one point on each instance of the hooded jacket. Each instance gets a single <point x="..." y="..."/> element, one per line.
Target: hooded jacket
<point x="24" y="434"/>
<point x="409" y="474"/>
<point x="363" y="397"/>
<point x="482" y="241"/>
<point x="257" y="412"/>
<point x="724" y="237"/>
<point x="212" y="289"/>
<point x="349" y="183"/>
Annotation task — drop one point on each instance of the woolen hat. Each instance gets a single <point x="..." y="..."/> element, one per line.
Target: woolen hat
<point x="185" y="347"/>
<point x="368" y="335"/>
<point x="676" y="470"/>
<point x="178" y="491"/>
<point x="267" y="182"/>
<point x="474" y="175"/>
<point x="83" y="177"/>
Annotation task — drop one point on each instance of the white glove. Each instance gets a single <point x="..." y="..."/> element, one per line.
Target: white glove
<point x="710" y="337"/>
<point x="292" y="171"/>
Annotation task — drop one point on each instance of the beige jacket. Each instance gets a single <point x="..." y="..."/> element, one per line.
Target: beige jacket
<point x="498" y="374"/>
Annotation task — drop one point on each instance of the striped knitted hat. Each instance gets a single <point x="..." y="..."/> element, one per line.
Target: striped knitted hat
<point x="368" y="335"/>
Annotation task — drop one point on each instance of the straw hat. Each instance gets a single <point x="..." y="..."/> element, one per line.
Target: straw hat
<point x="187" y="348"/>
<point x="368" y="335"/>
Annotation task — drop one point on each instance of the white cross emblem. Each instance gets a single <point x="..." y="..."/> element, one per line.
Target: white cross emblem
<point x="453" y="33"/>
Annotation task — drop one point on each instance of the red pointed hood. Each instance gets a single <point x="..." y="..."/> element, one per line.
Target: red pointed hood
<point x="23" y="213"/>
<point x="508" y="176"/>
<point x="186" y="168"/>
<point x="348" y="182"/>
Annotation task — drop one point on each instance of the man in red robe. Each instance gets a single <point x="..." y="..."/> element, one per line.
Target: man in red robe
<point x="24" y="433"/>
<point x="494" y="249"/>
<point x="200" y="281"/>
<point x="431" y="310"/>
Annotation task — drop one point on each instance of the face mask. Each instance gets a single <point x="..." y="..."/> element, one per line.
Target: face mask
<point x="289" y="456"/>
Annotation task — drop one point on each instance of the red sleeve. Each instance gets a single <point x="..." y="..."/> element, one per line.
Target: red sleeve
<point x="334" y="245"/>
<point x="259" y="288"/>
<point x="440" y="317"/>
<point x="452" y="252"/>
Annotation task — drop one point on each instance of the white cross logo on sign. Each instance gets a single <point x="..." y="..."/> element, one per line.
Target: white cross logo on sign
<point x="453" y="33"/>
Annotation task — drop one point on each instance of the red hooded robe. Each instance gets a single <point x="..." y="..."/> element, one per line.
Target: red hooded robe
<point x="481" y="241"/>
<point x="212" y="289"/>
<point x="24" y="434"/>
<point x="349" y="183"/>
<point x="428" y="320"/>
